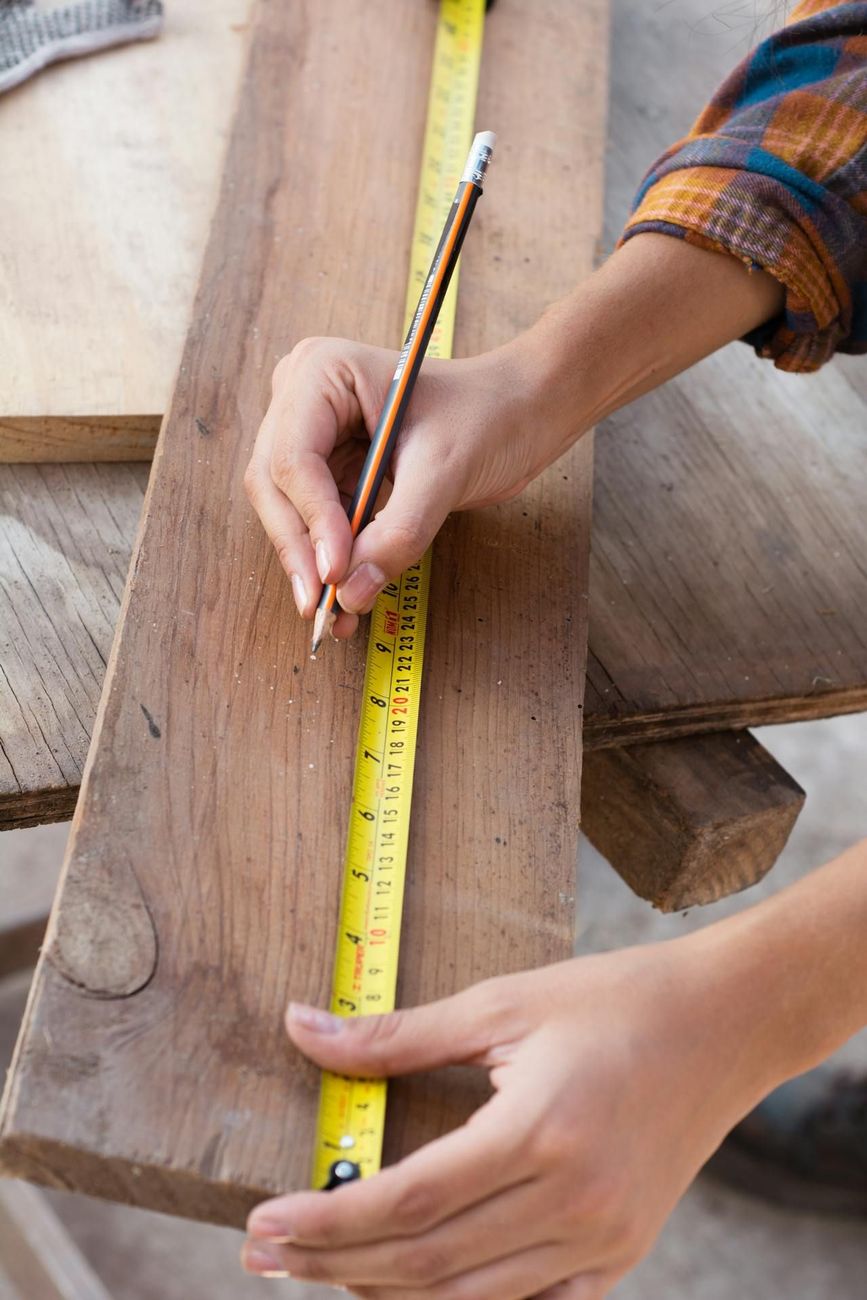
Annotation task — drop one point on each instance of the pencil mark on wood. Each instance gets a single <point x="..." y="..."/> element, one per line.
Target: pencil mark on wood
<point x="202" y="428"/>
<point x="152" y="726"/>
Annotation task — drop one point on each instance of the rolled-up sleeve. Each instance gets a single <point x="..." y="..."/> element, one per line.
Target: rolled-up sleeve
<point x="774" y="171"/>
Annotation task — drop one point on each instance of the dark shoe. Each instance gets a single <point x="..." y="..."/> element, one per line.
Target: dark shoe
<point x="804" y="1147"/>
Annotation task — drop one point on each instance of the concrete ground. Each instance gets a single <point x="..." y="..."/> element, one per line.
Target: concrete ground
<point x="718" y="1245"/>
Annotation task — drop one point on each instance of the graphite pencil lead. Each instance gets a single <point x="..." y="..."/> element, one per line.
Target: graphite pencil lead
<point x="323" y="621"/>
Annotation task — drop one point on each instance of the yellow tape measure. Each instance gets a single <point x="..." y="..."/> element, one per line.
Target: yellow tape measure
<point x="351" y="1119"/>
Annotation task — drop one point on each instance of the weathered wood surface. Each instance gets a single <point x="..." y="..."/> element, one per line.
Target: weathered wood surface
<point x="691" y="820"/>
<point x="116" y="162"/>
<point x="729" y="521"/>
<point x="65" y="538"/>
<point x="728" y="534"/>
<point x="202" y="884"/>
<point x="62" y="576"/>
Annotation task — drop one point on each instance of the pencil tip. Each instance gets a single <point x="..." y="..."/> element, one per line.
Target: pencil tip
<point x="323" y="621"/>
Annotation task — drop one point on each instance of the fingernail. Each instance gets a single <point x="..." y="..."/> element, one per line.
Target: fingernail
<point x="259" y="1259"/>
<point x="299" y="591"/>
<point x="321" y="1022"/>
<point x="323" y="563"/>
<point x="361" y="588"/>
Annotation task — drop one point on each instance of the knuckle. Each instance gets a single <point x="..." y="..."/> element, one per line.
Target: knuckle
<point x="379" y="1034"/>
<point x="603" y="1203"/>
<point x="425" y="1263"/>
<point x="287" y="472"/>
<point x="282" y="544"/>
<point x="416" y="1208"/>
<point x="546" y="1146"/>
<point x="284" y="466"/>
<point x="313" y="1224"/>
<point x="303" y="354"/>
<point x="309" y="1266"/>
<point x="605" y="1199"/>
<point x="495" y="1002"/>
<point x="252" y="482"/>
<point x="404" y="541"/>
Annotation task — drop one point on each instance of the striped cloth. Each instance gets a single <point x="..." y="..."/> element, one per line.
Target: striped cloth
<point x="775" y="171"/>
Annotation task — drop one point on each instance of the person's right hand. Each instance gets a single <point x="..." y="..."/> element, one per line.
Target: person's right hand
<point x="472" y="436"/>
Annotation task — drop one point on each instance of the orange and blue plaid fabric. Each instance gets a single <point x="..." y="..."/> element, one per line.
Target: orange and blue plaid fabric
<point x="774" y="171"/>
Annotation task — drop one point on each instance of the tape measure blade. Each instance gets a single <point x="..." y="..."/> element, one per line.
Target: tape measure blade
<point x="351" y="1116"/>
<point x="448" y="135"/>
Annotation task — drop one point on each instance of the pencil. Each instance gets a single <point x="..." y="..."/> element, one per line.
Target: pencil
<point x="409" y="362"/>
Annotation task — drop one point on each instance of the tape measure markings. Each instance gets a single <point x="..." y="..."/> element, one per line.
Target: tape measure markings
<point x="351" y="1118"/>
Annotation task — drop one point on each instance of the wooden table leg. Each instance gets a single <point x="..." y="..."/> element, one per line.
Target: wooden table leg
<point x="689" y="821"/>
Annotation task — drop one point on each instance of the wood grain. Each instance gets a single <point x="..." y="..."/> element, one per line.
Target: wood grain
<point x="92" y="439"/>
<point x="688" y="821"/>
<point x="116" y="162"/>
<point x="65" y="538"/>
<point x="202" y="883"/>
<point x="729" y="530"/>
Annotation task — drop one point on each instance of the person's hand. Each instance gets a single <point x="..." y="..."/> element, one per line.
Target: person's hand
<point x="615" y="1078"/>
<point x="478" y="430"/>
<point x="470" y="438"/>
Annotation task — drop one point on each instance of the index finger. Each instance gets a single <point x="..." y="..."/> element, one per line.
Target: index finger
<point x="435" y="1182"/>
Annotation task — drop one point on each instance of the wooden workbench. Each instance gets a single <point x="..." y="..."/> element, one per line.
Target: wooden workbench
<point x="714" y="603"/>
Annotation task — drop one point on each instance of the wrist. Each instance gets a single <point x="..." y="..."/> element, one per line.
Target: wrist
<point x="738" y="1006"/>
<point x="653" y="309"/>
<point x="786" y="980"/>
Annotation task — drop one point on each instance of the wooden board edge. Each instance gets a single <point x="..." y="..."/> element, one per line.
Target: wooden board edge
<point x="609" y="732"/>
<point x="183" y="1194"/>
<point x="686" y="822"/>
<point x="79" y="438"/>
<point x="37" y="807"/>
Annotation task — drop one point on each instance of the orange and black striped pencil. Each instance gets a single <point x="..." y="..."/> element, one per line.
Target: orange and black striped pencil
<point x="411" y="356"/>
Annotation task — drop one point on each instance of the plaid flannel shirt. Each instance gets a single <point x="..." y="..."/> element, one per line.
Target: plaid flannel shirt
<point x="774" y="171"/>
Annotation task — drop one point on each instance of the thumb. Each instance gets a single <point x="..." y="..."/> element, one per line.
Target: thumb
<point x="399" y="535"/>
<point x="458" y="1029"/>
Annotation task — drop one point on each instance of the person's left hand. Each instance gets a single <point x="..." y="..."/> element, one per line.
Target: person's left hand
<point x="615" y="1078"/>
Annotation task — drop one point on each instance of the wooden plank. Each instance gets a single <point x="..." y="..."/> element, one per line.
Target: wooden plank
<point x="202" y="884"/>
<point x="689" y="821"/>
<point x="730" y="532"/>
<point x="38" y="1254"/>
<point x="726" y="601"/>
<point x="66" y="440"/>
<point x="65" y="537"/>
<point x="96" y="306"/>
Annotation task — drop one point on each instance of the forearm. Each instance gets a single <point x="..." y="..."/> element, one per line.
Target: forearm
<point x="653" y="309"/>
<point x="786" y="980"/>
